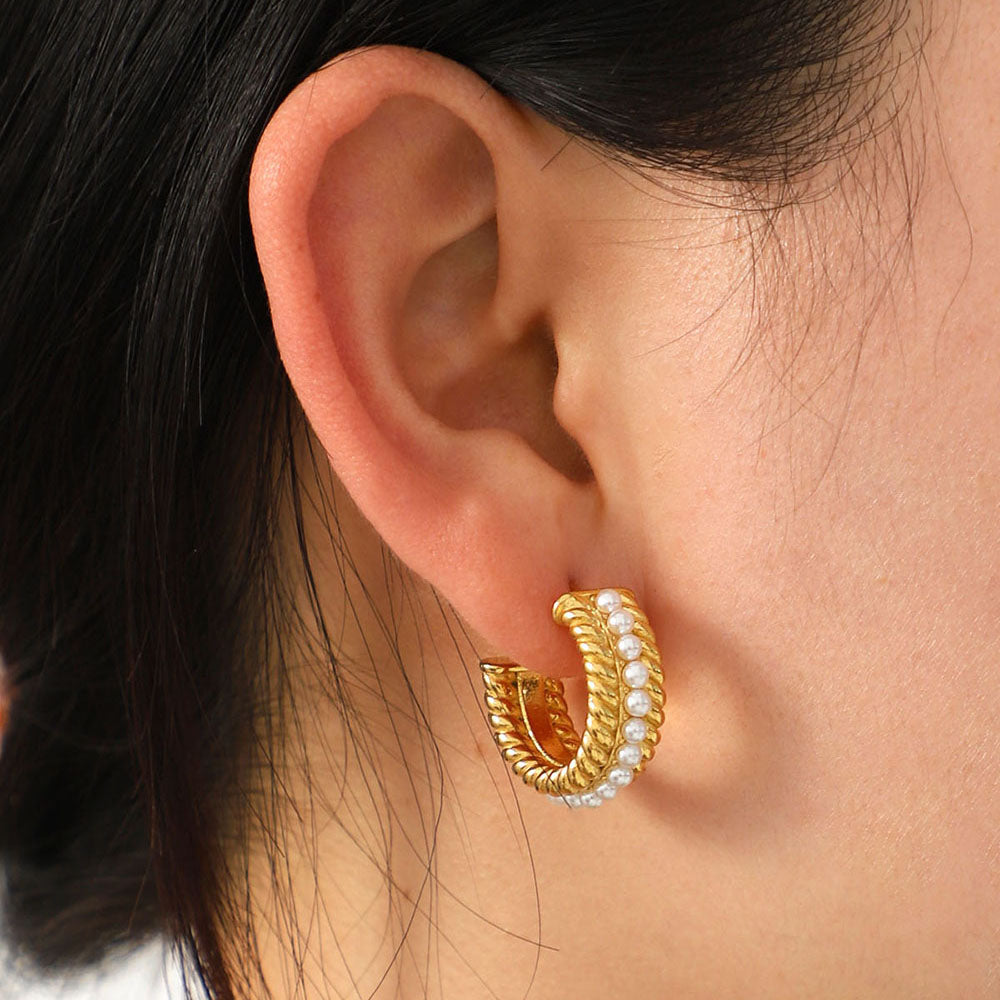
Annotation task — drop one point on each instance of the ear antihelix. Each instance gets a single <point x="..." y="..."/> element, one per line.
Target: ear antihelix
<point x="529" y="718"/>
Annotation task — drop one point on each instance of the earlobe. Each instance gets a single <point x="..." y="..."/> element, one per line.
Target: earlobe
<point x="403" y="274"/>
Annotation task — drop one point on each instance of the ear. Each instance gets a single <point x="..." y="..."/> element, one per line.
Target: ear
<point x="403" y="222"/>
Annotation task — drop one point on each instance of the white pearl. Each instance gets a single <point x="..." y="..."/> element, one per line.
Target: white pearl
<point x="573" y="801"/>
<point x="638" y="702"/>
<point x="629" y="755"/>
<point x="609" y="600"/>
<point x="619" y="777"/>
<point x="621" y="621"/>
<point x="636" y="674"/>
<point x="591" y="799"/>
<point x="606" y="791"/>
<point x="629" y="646"/>
<point x="634" y="730"/>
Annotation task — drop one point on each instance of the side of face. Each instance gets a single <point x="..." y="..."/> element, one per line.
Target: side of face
<point x="534" y="370"/>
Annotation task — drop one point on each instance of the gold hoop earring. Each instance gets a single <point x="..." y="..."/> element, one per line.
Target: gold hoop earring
<point x="530" y="721"/>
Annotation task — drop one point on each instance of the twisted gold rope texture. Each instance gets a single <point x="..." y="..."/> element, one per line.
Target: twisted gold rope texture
<point x="529" y="718"/>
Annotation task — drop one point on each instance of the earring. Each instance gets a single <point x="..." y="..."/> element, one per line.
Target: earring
<point x="528" y="713"/>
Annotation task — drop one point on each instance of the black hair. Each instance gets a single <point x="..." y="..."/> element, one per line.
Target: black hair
<point x="146" y="424"/>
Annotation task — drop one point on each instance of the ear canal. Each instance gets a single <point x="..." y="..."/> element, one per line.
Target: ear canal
<point x="514" y="390"/>
<point x="490" y="378"/>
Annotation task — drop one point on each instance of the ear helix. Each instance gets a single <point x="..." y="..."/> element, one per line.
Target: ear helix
<point x="529" y="718"/>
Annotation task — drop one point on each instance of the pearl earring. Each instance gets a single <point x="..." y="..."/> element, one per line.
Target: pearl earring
<point x="530" y="721"/>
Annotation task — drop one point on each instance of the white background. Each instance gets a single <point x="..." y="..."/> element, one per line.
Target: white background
<point x="145" y="975"/>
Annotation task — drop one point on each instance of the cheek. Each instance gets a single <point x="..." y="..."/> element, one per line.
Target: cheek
<point x="840" y="511"/>
<point x="825" y="573"/>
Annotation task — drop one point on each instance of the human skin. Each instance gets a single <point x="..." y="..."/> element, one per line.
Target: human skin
<point x="793" y="447"/>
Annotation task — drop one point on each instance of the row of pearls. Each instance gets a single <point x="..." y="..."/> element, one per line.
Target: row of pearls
<point x="638" y="703"/>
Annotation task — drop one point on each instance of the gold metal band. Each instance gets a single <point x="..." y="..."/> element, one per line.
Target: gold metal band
<point x="528" y="713"/>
